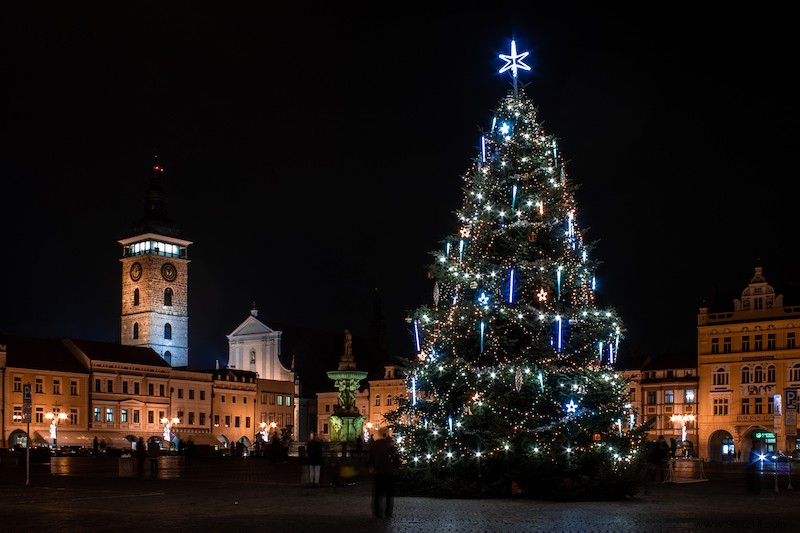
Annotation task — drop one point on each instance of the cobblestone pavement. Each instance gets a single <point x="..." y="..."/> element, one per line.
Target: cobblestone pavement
<point x="95" y="494"/>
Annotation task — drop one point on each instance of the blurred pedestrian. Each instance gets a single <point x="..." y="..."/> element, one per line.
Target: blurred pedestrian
<point x="314" y="450"/>
<point x="141" y="455"/>
<point x="359" y="445"/>
<point x="752" y="471"/>
<point x="153" y="452"/>
<point x="384" y="461"/>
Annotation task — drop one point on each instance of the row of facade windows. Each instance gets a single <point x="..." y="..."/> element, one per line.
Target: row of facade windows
<point x="721" y="376"/>
<point x="38" y="415"/>
<point x="167" y="331"/>
<point x="168" y="294"/>
<point x="669" y="396"/>
<point x="757" y="345"/>
<point x="134" y="387"/>
<point x="272" y="399"/>
<point x="38" y="386"/>
<point x="108" y="415"/>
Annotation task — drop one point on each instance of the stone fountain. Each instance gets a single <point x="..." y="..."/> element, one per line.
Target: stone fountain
<point x="346" y="422"/>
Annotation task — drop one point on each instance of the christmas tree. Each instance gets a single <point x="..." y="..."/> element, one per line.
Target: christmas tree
<point x="513" y="390"/>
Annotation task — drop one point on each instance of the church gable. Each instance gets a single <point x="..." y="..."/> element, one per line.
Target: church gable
<point x="251" y="326"/>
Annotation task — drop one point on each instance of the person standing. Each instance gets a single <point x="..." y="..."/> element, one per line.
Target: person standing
<point x="314" y="450"/>
<point x="663" y="448"/>
<point x="359" y="445"/>
<point x="384" y="461"/>
<point x="153" y="451"/>
<point x="141" y="455"/>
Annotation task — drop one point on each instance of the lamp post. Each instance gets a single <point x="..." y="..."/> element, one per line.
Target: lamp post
<point x="55" y="419"/>
<point x="168" y="428"/>
<point x="683" y="419"/>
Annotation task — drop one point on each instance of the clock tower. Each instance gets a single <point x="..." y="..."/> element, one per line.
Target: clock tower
<point x="155" y="275"/>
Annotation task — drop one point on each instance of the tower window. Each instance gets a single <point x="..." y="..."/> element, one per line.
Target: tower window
<point x="168" y="357"/>
<point x="167" y="331"/>
<point x="168" y="297"/>
<point x="135" y="296"/>
<point x="136" y="330"/>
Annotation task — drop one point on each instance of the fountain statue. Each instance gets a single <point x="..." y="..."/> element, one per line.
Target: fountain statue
<point x="346" y="422"/>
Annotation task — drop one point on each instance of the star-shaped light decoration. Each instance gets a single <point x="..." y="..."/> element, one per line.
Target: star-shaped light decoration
<point x="483" y="299"/>
<point x="465" y="232"/>
<point x="514" y="61"/>
<point x="571" y="406"/>
<point x="542" y="295"/>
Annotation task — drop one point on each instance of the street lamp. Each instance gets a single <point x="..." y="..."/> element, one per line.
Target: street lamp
<point x="168" y="428"/>
<point x="265" y="432"/>
<point x="682" y="419"/>
<point x="55" y="419"/>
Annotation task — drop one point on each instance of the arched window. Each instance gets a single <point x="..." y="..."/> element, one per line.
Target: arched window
<point x="758" y="375"/>
<point x="167" y="332"/>
<point x="388" y="399"/>
<point x="378" y="400"/>
<point x="168" y="357"/>
<point x="135" y="330"/>
<point x="745" y="374"/>
<point x="720" y="376"/>
<point x="135" y="296"/>
<point x="771" y="374"/>
<point x="168" y="297"/>
<point x="794" y="372"/>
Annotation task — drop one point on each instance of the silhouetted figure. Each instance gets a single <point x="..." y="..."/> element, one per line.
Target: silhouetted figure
<point x="384" y="462"/>
<point x="663" y="449"/>
<point x="141" y="455"/>
<point x="314" y="450"/>
<point x="190" y="453"/>
<point x="359" y="445"/>
<point x="153" y="452"/>
<point x="751" y="472"/>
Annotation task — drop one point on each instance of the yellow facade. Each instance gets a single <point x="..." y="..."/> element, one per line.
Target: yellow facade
<point x="747" y="360"/>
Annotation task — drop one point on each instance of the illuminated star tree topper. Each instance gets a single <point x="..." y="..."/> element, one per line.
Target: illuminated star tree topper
<point x="514" y="63"/>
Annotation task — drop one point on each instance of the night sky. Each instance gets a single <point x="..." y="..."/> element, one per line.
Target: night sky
<point x="314" y="155"/>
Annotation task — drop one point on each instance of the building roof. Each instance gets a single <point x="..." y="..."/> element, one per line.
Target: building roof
<point x="120" y="353"/>
<point x="40" y="354"/>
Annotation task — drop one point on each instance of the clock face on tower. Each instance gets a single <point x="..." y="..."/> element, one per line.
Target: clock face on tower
<point x="136" y="271"/>
<point x="168" y="272"/>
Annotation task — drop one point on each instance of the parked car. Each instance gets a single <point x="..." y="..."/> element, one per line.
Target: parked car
<point x="72" y="451"/>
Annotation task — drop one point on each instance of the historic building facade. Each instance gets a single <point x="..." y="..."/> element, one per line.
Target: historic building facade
<point x="143" y="386"/>
<point x="748" y="359"/>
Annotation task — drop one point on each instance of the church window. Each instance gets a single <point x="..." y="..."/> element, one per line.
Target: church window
<point x="168" y="297"/>
<point x="135" y="330"/>
<point x="167" y="332"/>
<point x="135" y="296"/>
<point x="168" y="357"/>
